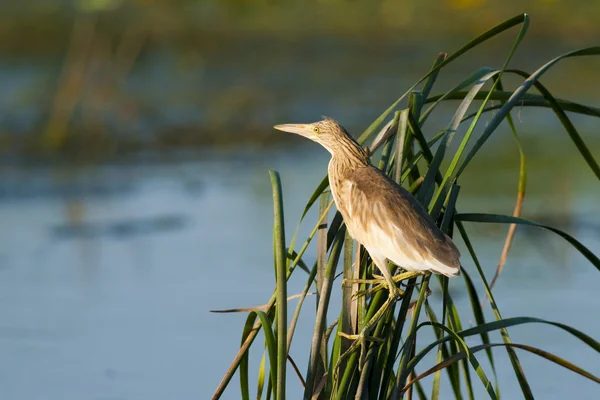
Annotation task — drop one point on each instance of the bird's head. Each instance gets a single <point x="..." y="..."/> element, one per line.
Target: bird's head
<point x="328" y="132"/>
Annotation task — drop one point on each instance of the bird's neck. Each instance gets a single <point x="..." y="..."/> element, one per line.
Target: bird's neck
<point x="345" y="161"/>
<point x="348" y="155"/>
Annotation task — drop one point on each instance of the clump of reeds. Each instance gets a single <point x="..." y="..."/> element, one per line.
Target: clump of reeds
<point x="397" y="353"/>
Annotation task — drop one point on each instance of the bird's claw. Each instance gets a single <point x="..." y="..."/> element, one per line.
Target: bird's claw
<point x="360" y="336"/>
<point x="378" y="284"/>
<point x="359" y="340"/>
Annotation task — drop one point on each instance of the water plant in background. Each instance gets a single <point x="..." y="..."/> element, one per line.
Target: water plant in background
<point x="394" y="364"/>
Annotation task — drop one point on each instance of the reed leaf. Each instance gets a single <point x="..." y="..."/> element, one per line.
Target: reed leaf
<point x="544" y="354"/>
<point x="281" y="282"/>
<point x="409" y="156"/>
<point x="495" y="31"/>
<point x="506" y="219"/>
<point x="515" y="98"/>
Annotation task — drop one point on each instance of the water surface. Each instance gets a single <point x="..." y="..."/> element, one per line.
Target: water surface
<point x="119" y="309"/>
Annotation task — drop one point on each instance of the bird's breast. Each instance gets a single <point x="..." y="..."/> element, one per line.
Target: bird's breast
<point x="342" y="193"/>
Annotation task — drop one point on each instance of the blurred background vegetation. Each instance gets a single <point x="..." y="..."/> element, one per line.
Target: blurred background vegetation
<point x="94" y="80"/>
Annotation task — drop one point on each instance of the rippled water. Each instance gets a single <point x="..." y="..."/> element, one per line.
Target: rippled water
<point x="107" y="275"/>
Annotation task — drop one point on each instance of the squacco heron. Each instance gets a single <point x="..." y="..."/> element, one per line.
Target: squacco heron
<point x="380" y="214"/>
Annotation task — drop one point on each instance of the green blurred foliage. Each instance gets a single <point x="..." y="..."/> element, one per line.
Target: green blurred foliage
<point x="39" y="24"/>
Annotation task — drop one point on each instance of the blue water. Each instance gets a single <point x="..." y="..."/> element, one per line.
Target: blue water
<point x="122" y="312"/>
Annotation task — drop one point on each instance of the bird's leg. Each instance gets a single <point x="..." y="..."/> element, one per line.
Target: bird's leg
<point x="353" y="281"/>
<point x="362" y="338"/>
<point x="393" y="294"/>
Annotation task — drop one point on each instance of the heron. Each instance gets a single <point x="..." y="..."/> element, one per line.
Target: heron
<point x="380" y="215"/>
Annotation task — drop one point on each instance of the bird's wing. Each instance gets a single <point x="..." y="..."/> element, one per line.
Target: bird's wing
<point x="387" y="219"/>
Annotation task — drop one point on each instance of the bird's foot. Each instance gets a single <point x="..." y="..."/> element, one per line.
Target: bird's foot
<point x="347" y="282"/>
<point x="406" y="276"/>
<point x="379" y="282"/>
<point x="399" y="278"/>
<point x="395" y="292"/>
<point x="360" y="340"/>
<point x="360" y="337"/>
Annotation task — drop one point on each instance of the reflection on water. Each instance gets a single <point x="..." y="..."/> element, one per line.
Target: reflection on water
<point x="105" y="293"/>
<point x="121" y="229"/>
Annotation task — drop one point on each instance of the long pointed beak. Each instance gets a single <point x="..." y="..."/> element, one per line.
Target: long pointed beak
<point x="299" y="129"/>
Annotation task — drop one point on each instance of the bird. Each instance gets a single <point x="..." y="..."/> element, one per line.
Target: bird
<point x="379" y="213"/>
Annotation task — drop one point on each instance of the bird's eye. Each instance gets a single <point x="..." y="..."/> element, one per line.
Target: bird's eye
<point x="316" y="129"/>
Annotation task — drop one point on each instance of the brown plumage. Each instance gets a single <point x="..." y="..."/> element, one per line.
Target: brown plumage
<point x="380" y="214"/>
